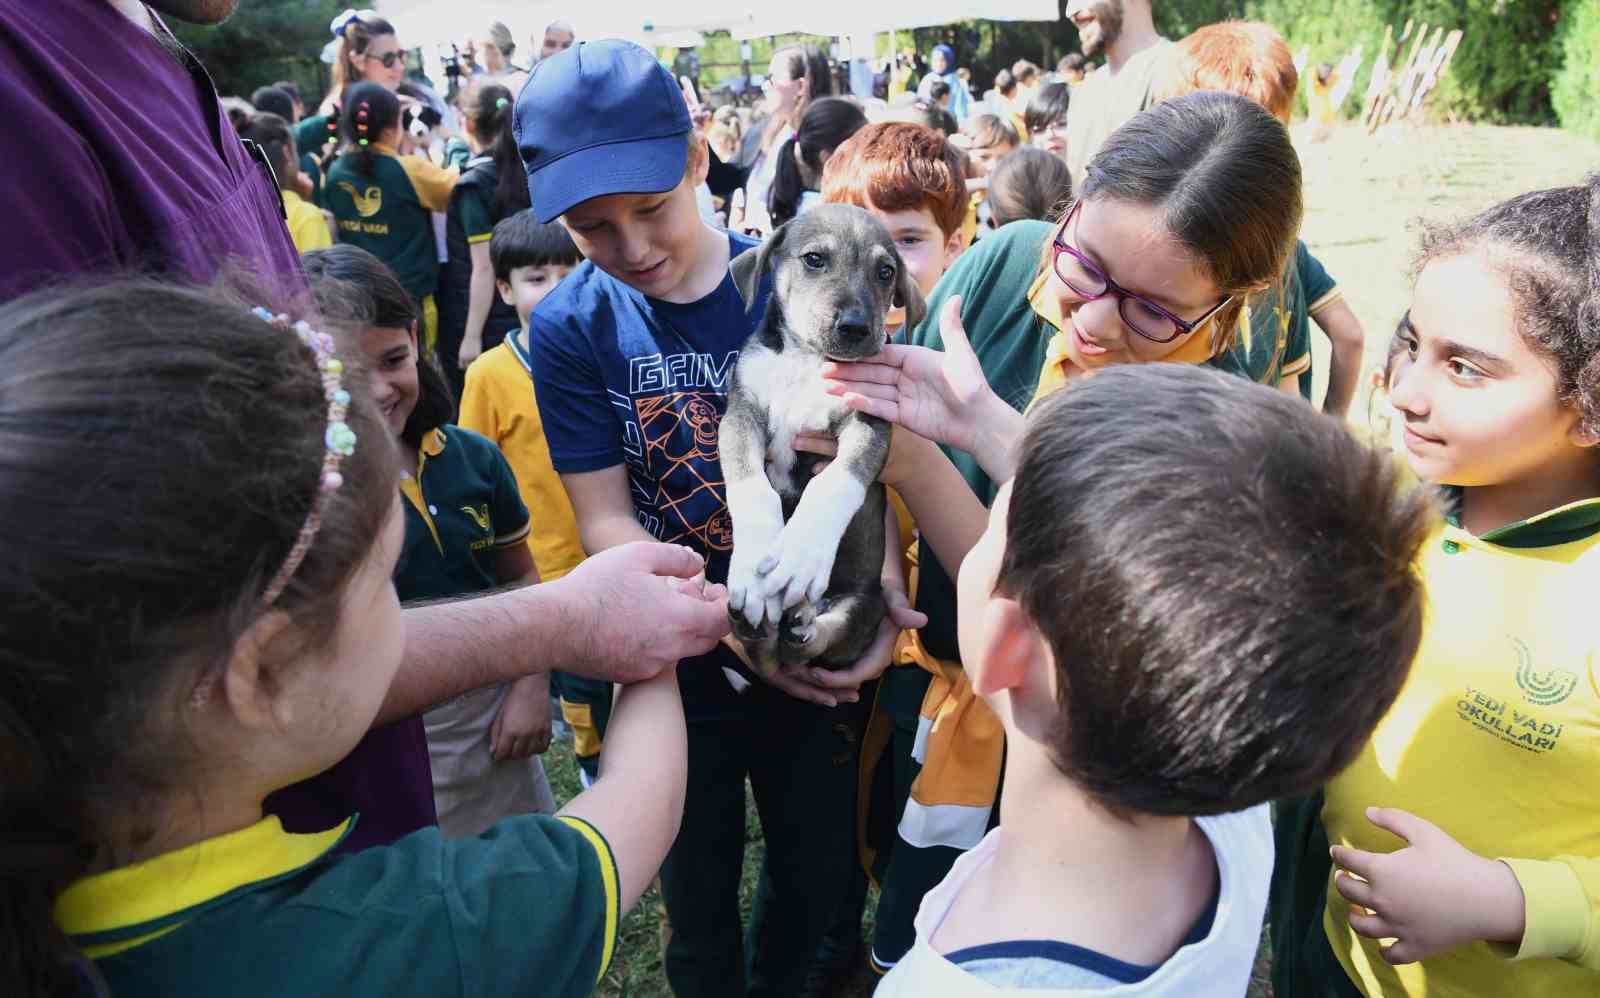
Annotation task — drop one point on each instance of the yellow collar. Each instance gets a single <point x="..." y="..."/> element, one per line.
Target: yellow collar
<point x="433" y="443"/>
<point x="432" y="446"/>
<point x="118" y="909"/>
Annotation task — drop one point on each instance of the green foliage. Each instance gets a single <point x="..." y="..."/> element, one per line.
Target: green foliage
<point x="1501" y="72"/>
<point x="1576" y="89"/>
<point x="266" y="41"/>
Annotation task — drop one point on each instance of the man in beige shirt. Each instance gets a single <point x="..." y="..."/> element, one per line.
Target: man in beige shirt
<point x="1123" y="32"/>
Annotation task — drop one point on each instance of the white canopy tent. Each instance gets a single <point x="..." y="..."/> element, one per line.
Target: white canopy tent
<point x="651" y="23"/>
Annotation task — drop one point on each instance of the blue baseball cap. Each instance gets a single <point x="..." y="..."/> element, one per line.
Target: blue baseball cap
<point x="601" y="118"/>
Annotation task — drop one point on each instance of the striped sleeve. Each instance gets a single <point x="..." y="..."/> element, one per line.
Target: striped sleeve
<point x="433" y="184"/>
<point x="608" y="879"/>
<point x="1320" y="289"/>
<point x="535" y="908"/>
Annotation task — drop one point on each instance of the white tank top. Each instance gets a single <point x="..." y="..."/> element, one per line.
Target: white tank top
<point x="1218" y="966"/>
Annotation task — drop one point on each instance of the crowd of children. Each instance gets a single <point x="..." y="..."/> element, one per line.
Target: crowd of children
<point x="1141" y="591"/>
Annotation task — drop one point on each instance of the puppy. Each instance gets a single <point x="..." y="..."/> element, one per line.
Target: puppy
<point x="808" y="548"/>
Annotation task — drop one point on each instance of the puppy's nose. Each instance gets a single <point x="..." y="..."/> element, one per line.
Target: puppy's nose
<point x="852" y="324"/>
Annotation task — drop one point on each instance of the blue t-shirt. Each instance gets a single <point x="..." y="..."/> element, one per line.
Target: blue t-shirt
<point x="622" y="378"/>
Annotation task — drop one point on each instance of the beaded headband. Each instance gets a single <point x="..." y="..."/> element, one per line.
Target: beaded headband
<point x="361" y="121"/>
<point x="339" y="442"/>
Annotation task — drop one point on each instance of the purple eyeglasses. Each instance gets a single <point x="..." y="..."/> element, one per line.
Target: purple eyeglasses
<point x="1141" y="315"/>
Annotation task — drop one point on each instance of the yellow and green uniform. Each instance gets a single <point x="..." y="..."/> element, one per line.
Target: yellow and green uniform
<point x="388" y="213"/>
<point x="531" y="907"/>
<point x="462" y="508"/>
<point x="931" y="738"/>
<point x="1495" y="738"/>
<point x="499" y="402"/>
<point x="307" y="227"/>
<point x="309" y="137"/>
<point x="1273" y="341"/>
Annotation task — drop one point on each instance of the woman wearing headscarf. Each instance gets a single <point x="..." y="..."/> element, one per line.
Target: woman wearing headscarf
<point x="943" y="63"/>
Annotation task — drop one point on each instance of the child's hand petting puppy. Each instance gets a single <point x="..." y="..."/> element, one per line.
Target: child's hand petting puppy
<point x="1431" y="896"/>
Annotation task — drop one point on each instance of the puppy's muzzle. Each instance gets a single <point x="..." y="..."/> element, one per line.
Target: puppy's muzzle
<point x="854" y="335"/>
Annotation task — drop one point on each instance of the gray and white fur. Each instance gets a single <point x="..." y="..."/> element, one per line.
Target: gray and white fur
<point x="808" y="548"/>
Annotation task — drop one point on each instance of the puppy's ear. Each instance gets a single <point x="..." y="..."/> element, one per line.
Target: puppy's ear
<point x="749" y="266"/>
<point x="908" y="296"/>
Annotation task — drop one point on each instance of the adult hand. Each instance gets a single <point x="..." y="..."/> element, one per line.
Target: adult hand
<point x="1431" y="896"/>
<point x="941" y="395"/>
<point x="522" y="725"/>
<point x="636" y="609"/>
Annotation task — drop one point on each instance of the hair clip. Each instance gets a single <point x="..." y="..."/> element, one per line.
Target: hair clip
<point x="340" y="23"/>
<point x="501" y="102"/>
<point x="339" y="442"/>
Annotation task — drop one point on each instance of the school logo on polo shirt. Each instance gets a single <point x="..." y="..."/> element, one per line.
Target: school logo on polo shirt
<point x="368" y="202"/>
<point x="480" y="516"/>
<point x="1546" y="688"/>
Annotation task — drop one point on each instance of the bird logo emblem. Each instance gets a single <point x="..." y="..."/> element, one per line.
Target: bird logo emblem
<point x="368" y="202"/>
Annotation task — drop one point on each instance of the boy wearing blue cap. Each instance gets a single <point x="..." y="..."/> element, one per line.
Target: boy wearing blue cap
<point x="631" y="358"/>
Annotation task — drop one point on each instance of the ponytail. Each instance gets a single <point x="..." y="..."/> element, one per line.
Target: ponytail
<point x="827" y="124"/>
<point x="783" y="197"/>
<point x="489" y="110"/>
<point x="370" y="111"/>
<point x="45" y="844"/>
<point x="511" y="189"/>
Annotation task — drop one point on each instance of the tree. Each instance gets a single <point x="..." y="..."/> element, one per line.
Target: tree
<point x="266" y="41"/>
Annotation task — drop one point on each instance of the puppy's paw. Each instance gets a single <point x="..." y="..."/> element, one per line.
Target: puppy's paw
<point x="747" y="595"/>
<point x="799" y="624"/>
<point x="748" y="634"/>
<point x="798" y="569"/>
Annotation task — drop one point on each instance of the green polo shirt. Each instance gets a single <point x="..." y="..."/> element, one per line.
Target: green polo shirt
<point x="528" y="908"/>
<point x="462" y="508"/>
<point x="309" y="137"/>
<point x="388" y="212"/>
<point x="477" y="214"/>
<point x="1276" y="341"/>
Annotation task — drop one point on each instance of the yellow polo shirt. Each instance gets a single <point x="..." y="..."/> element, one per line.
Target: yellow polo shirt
<point x="498" y="402"/>
<point x="1495" y="738"/>
<point x="307" y="226"/>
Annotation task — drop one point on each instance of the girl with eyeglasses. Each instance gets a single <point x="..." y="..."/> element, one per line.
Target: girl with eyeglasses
<point x="1188" y="209"/>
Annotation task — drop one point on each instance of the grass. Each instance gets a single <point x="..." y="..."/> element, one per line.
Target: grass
<point x="1361" y="195"/>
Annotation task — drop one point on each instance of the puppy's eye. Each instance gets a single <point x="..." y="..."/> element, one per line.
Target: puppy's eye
<point x="815" y="261"/>
<point x="885" y="272"/>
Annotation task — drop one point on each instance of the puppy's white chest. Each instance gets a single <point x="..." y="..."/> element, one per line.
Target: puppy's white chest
<point x="791" y="388"/>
